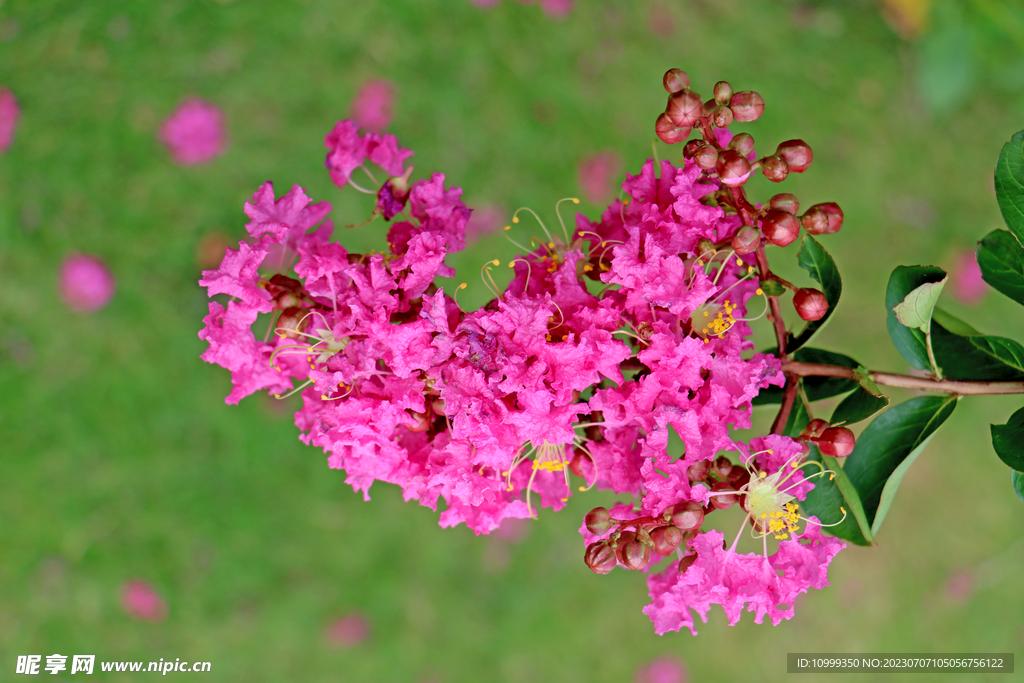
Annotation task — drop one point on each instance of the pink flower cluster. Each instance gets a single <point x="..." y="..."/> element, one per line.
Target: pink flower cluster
<point x="606" y="337"/>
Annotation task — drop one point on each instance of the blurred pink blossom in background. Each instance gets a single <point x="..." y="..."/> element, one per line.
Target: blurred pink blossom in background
<point x="960" y="586"/>
<point x="661" y="670"/>
<point x="596" y="175"/>
<point x="552" y="8"/>
<point x="8" y="118"/>
<point x="194" y="133"/>
<point x="968" y="286"/>
<point x="373" y="105"/>
<point x="85" y="283"/>
<point x="348" y="631"/>
<point x="485" y="220"/>
<point x="141" y="601"/>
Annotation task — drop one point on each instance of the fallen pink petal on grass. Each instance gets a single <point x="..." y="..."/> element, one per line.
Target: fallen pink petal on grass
<point x="194" y="133"/>
<point x="374" y="104"/>
<point x="9" y="113"/>
<point x="141" y="601"/>
<point x="85" y="283"/>
<point x="348" y="631"/>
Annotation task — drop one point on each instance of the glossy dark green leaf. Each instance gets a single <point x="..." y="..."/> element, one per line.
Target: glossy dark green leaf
<point x="1010" y="184"/>
<point x="916" y="308"/>
<point x="863" y="377"/>
<point x="1001" y="259"/>
<point x="828" y="498"/>
<point x="1017" y="480"/>
<point x="887" y="448"/>
<point x="772" y="288"/>
<point x="909" y="341"/>
<point x="952" y="323"/>
<point x="815" y="388"/>
<point x="1008" y="441"/>
<point x="977" y="357"/>
<point x="860" y="405"/>
<point x="815" y="260"/>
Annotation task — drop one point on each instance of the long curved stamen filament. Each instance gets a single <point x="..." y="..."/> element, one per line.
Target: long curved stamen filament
<point x="626" y="332"/>
<point x="721" y="268"/>
<point x="505" y="230"/>
<point x="529" y="268"/>
<point x="360" y="187"/>
<point x="565" y="232"/>
<point x="492" y="287"/>
<point x="515" y="219"/>
<point x="455" y="296"/>
<point x="622" y="209"/>
<point x="593" y="462"/>
<point x="323" y="397"/>
<point x="370" y="175"/>
<point x="270" y="327"/>
<point x="294" y="391"/>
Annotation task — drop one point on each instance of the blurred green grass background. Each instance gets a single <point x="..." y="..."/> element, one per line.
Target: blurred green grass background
<point x="121" y="461"/>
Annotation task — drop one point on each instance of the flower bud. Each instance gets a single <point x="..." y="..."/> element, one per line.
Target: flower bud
<point x="834" y="214"/>
<point x="785" y="202"/>
<point x="687" y="560"/>
<point x="774" y="168"/>
<point x="723" y="91"/>
<point x="837" y="442"/>
<point x="706" y="157"/>
<point x="722" y="502"/>
<point x="738" y="476"/>
<point x="705" y="248"/>
<point x="634" y="554"/>
<point x="721" y="116"/>
<point x="797" y="154"/>
<point x="815" y="221"/>
<point x="582" y="465"/>
<point x="814" y="428"/>
<point x="746" y="240"/>
<point x="742" y="143"/>
<point x="810" y="304"/>
<point x="669" y="132"/>
<point x="733" y="169"/>
<point x="746" y="106"/>
<point x="666" y="539"/>
<point x="698" y="471"/>
<point x="684" y="108"/>
<point x="780" y="227"/>
<point x="598" y="521"/>
<point x="600" y="557"/>
<point x="675" y="80"/>
<point x="687" y="515"/>
<point x="723" y="466"/>
<point x="691" y="147"/>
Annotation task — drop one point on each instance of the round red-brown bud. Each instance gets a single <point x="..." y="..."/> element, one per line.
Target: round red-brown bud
<point x="698" y="471"/>
<point x="684" y="108"/>
<point x="600" y="557"/>
<point x="675" y="80"/>
<point x="666" y="539"/>
<point x="746" y="106"/>
<point x="780" y="227"/>
<point x="742" y="143"/>
<point x="814" y="428"/>
<point x="686" y="516"/>
<point x="834" y="214"/>
<point x="598" y="521"/>
<point x="722" y="502"/>
<point x="815" y="221"/>
<point x="723" y="466"/>
<point x="746" y="240"/>
<point x="837" y="442"/>
<point x="733" y="169"/>
<point x="785" y="202"/>
<point x="797" y="154"/>
<point x="738" y="477"/>
<point x="687" y="560"/>
<point x="706" y="157"/>
<point x="721" y="116"/>
<point x="810" y="304"/>
<point x="691" y="148"/>
<point x="723" y="91"/>
<point x="668" y="132"/>
<point x="582" y="465"/>
<point x="774" y="168"/>
<point x="634" y="554"/>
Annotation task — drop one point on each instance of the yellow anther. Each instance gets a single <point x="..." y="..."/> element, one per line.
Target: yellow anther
<point x="575" y="201"/>
<point x="764" y="515"/>
<point x="842" y="509"/>
<point x="515" y="219"/>
<point x="762" y="474"/>
<point x="705" y="313"/>
<point x="759" y="291"/>
<point x="507" y="227"/>
<point x="739" y="261"/>
<point x="496" y="262"/>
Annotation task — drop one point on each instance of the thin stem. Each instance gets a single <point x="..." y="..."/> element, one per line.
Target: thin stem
<point x="788" y="398"/>
<point x="946" y="386"/>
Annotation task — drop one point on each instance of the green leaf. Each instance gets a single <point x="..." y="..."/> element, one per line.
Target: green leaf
<point x="860" y="405"/>
<point x="815" y="260"/>
<point x="829" y="495"/>
<point x="909" y="341"/>
<point x="916" y="308"/>
<point x="1001" y="259"/>
<point x="772" y="287"/>
<point x="863" y="377"/>
<point x="1008" y="441"/>
<point x="1017" y="479"/>
<point x="1007" y="351"/>
<point x="952" y="323"/>
<point x="887" y="448"/>
<point x="1010" y="184"/>
<point x="815" y="388"/>
<point x="977" y="357"/>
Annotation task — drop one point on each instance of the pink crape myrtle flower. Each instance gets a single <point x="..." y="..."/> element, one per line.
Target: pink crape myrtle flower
<point x="86" y="284"/>
<point x="141" y="601"/>
<point x="373" y="105"/>
<point x="596" y="174"/>
<point x="194" y="133"/>
<point x="968" y="285"/>
<point x="661" y="670"/>
<point x="9" y="113"/>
